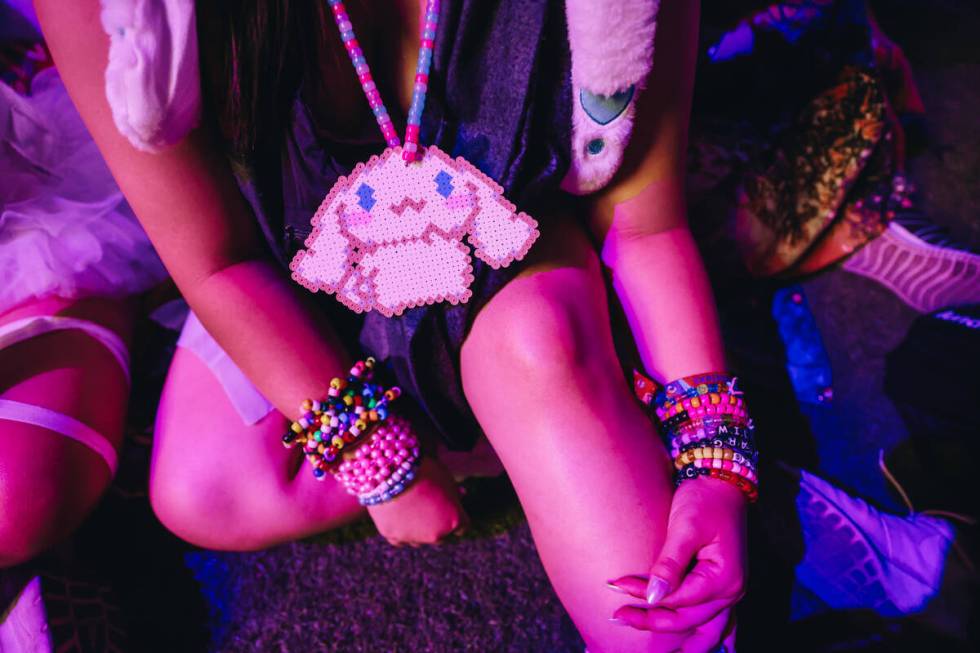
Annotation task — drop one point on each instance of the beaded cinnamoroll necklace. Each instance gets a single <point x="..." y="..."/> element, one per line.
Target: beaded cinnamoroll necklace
<point x="389" y="236"/>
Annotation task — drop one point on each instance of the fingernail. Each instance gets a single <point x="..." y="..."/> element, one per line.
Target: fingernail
<point x="618" y="621"/>
<point x="616" y="588"/>
<point x="657" y="589"/>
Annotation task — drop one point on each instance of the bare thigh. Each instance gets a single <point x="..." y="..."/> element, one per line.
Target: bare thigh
<point x="48" y="482"/>
<point x="540" y="372"/>
<point x="220" y="483"/>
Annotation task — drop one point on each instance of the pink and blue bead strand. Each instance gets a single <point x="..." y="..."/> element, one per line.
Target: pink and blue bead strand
<point x="428" y="35"/>
<point x="363" y="71"/>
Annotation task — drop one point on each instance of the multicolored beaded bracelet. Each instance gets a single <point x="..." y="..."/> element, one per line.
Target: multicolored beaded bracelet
<point x="732" y="406"/>
<point x="695" y="385"/>
<point x="710" y="403"/>
<point x="728" y="466"/>
<point x="352" y="408"/>
<point x="711" y="453"/>
<point x="714" y="427"/>
<point x="745" y="453"/>
<point x="741" y="438"/>
<point x="750" y="489"/>
<point x="698" y="413"/>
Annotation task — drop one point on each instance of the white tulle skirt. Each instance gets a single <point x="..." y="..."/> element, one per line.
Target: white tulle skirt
<point x="65" y="228"/>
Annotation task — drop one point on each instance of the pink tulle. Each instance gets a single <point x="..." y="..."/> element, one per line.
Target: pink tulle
<point x="65" y="228"/>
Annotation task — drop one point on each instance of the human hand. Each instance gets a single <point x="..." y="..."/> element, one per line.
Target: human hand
<point x="707" y="526"/>
<point x="425" y="513"/>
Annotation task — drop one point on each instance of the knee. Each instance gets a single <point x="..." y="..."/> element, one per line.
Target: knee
<point x="198" y="506"/>
<point x="536" y="333"/>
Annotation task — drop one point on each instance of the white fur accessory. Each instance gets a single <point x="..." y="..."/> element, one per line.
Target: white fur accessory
<point x="153" y="79"/>
<point x="612" y="54"/>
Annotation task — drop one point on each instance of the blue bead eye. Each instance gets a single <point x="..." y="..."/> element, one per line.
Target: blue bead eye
<point x="444" y="183"/>
<point x="366" y="193"/>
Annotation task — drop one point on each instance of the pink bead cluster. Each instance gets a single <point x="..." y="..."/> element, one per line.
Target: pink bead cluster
<point x="383" y="466"/>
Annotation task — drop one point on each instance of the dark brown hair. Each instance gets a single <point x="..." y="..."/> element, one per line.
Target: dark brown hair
<point x="254" y="55"/>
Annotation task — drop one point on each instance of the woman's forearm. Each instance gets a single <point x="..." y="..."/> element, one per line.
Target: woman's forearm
<point x="661" y="282"/>
<point x="271" y="329"/>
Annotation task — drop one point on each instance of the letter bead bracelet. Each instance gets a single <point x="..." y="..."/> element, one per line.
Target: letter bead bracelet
<point x="706" y="427"/>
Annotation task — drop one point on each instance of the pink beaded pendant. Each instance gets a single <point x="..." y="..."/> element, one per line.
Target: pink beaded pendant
<point x="390" y="235"/>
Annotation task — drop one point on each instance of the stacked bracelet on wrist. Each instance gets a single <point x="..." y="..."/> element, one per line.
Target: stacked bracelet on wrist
<point x="356" y="417"/>
<point x="382" y="467"/>
<point x="707" y="428"/>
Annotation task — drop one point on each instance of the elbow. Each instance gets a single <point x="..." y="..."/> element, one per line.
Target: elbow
<point x="625" y="243"/>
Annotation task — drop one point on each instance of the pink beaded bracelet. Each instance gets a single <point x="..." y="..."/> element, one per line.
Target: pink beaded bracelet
<point x="698" y="407"/>
<point x="716" y="399"/>
<point x="383" y="466"/>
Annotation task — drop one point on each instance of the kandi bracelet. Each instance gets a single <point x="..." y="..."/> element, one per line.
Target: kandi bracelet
<point x="383" y="466"/>
<point x="691" y="472"/>
<point x="351" y="410"/>
<point x="706" y="426"/>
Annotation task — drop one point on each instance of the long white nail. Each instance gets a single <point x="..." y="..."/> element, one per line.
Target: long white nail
<point x="657" y="589"/>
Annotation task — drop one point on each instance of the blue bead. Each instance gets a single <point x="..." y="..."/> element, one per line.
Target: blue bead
<point x="444" y="183"/>
<point x="366" y="193"/>
<point x="595" y="146"/>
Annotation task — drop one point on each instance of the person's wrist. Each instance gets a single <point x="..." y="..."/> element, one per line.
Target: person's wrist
<point x="714" y="490"/>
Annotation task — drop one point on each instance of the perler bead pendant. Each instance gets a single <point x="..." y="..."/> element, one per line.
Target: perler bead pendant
<point x="390" y="236"/>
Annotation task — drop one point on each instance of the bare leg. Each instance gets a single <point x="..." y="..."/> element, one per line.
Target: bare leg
<point x="541" y="375"/>
<point x="48" y="482"/>
<point x="219" y="483"/>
